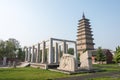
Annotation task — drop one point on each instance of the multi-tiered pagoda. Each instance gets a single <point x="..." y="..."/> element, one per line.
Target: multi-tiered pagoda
<point x="84" y="36"/>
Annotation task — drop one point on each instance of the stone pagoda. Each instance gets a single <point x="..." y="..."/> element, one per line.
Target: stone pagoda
<point x="84" y="36"/>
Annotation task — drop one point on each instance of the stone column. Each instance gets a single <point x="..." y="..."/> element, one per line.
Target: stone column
<point x="76" y="54"/>
<point x="26" y="54"/>
<point x="38" y="54"/>
<point x="75" y="51"/>
<point x="50" y="59"/>
<point x="43" y="52"/>
<point x="64" y="47"/>
<point x="32" y="55"/>
<point x="59" y="53"/>
<point x="29" y="53"/>
<point x="35" y="54"/>
<point x="56" y="53"/>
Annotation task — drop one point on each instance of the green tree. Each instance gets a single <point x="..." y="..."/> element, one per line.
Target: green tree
<point x="21" y="54"/>
<point x="2" y="49"/>
<point x="8" y="49"/>
<point x="71" y="51"/>
<point x="117" y="55"/>
<point x="100" y="56"/>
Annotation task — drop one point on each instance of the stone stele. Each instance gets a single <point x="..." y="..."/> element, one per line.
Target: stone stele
<point x="85" y="59"/>
<point x="67" y="63"/>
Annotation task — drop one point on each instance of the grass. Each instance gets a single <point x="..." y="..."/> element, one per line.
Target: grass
<point x="29" y="73"/>
<point x="107" y="67"/>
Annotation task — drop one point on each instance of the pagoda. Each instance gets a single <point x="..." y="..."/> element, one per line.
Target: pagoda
<point x="84" y="36"/>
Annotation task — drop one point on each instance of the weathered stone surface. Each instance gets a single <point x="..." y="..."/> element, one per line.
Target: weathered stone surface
<point x="86" y="61"/>
<point x="67" y="63"/>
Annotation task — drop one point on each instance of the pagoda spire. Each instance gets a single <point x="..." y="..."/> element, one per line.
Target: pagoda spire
<point x="83" y="16"/>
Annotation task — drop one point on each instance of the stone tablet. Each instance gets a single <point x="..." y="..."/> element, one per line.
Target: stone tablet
<point x="86" y="61"/>
<point x="67" y="63"/>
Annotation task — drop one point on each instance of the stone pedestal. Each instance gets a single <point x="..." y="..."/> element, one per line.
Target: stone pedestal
<point x="86" y="61"/>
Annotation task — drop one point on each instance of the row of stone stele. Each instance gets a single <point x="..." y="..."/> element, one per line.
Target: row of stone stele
<point x="69" y="63"/>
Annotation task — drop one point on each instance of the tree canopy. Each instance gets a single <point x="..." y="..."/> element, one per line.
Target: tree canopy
<point x="10" y="48"/>
<point x="7" y="48"/>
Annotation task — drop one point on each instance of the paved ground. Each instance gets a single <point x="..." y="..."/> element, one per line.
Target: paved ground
<point x="92" y="75"/>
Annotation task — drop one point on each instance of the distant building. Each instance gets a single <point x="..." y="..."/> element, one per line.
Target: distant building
<point x="106" y="52"/>
<point x="84" y="36"/>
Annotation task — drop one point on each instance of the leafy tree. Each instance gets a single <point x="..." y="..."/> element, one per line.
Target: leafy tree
<point x="2" y="49"/>
<point x="8" y="48"/>
<point x="71" y="51"/>
<point x="13" y="48"/>
<point x="117" y="55"/>
<point x="15" y="42"/>
<point x="100" y="56"/>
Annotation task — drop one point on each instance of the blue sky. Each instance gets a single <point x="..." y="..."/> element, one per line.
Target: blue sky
<point x="32" y="21"/>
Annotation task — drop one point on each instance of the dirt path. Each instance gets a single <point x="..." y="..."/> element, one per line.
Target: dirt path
<point x="92" y="75"/>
